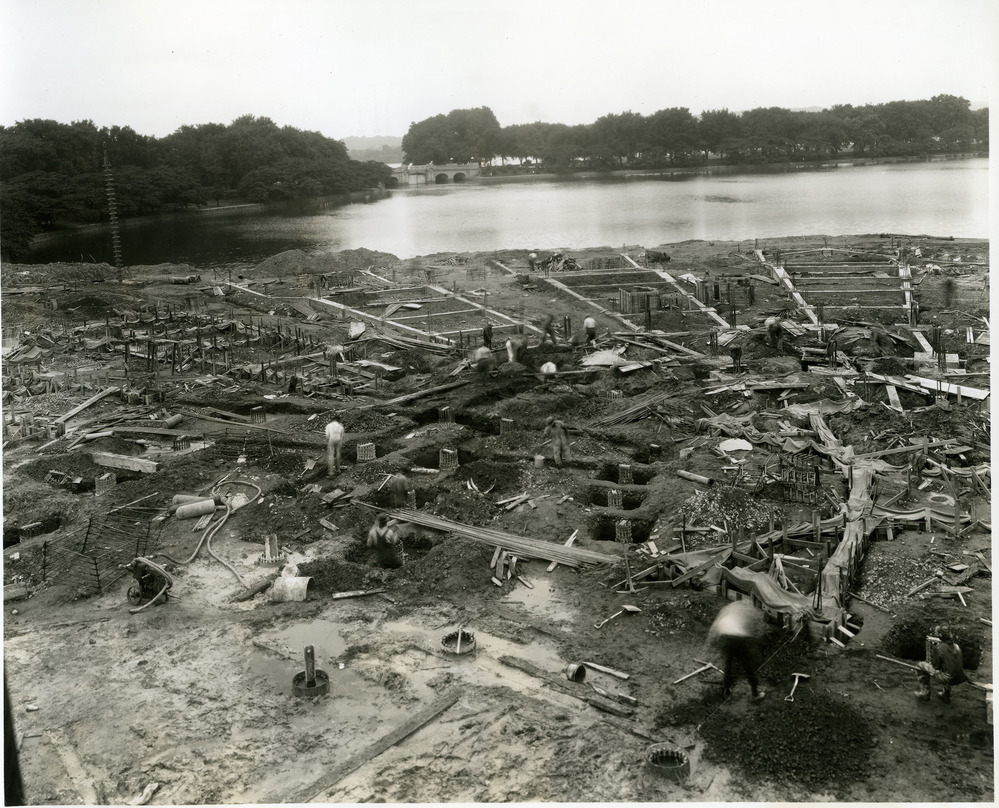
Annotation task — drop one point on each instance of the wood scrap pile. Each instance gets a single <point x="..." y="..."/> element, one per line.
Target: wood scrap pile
<point x="636" y="412"/>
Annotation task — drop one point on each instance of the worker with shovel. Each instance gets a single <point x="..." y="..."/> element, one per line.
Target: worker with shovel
<point x="334" y="438"/>
<point x="736" y="631"/>
<point x="945" y="666"/>
<point x="399" y="488"/>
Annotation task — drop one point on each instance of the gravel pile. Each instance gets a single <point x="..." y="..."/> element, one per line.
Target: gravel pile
<point x="816" y="742"/>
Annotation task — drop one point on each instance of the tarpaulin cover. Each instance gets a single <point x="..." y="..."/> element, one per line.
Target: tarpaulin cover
<point x="824" y="407"/>
<point x="770" y="594"/>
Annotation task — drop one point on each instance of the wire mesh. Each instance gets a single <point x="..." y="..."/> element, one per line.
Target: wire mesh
<point x="87" y="560"/>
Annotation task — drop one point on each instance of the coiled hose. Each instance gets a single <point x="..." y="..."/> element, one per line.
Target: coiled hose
<point x="214" y="527"/>
<point x="166" y="586"/>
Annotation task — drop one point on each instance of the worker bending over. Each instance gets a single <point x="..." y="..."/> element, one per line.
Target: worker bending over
<point x="945" y="666"/>
<point x="384" y="538"/>
<point x="515" y="349"/>
<point x="590" y="326"/>
<point x="334" y="439"/>
<point x="485" y="362"/>
<point x="736" y="632"/>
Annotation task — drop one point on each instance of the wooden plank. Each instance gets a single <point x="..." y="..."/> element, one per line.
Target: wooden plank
<point x="896" y="404"/>
<point x="532" y="670"/>
<point x="719" y="559"/>
<point x="932" y="385"/>
<point x="90" y="401"/>
<point x="906" y="449"/>
<point x="327" y="781"/>
<point x="116" y="461"/>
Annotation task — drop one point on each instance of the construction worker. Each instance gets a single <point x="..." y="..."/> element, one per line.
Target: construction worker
<point x="945" y="666"/>
<point x="532" y="261"/>
<point x="735" y="352"/>
<point x="548" y="370"/>
<point x="736" y="631"/>
<point x="384" y="538"/>
<point x="487" y="335"/>
<point x="334" y="439"/>
<point x="548" y="329"/>
<point x="485" y="362"/>
<point x="399" y="488"/>
<point x="515" y="349"/>
<point x="775" y="332"/>
<point x="555" y="429"/>
<point x="590" y="327"/>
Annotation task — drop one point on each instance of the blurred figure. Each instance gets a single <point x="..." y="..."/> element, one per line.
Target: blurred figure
<point x="775" y="332"/>
<point x="515" y="349"/>
<point x="487" y="335"/>
<point x="334" y="439"/>
<point x="399" y="488"/>
<point x="384" y="538"/>
<point x="548" y="370"/>
<point x="485" y="362"/>
<point x="548" y="329"/>
<point x="736" y="353"/>
<point x="555" y="429"/>
<point x="736" y="631"/>
<point x="590" y="327"/>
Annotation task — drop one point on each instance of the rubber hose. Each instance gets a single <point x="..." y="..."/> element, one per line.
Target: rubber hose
<point x="166" y="586"/>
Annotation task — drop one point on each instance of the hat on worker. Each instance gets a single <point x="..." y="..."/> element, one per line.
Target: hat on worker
<point x="944" y="633"/>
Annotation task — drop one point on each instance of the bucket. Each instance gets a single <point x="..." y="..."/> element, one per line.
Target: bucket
<point x="539" y="461"/>
<point x="575" y="672"/>
<point x="287" y="588"/>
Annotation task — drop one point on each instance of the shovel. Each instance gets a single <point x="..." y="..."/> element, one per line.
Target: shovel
<point x="623" y="610"/>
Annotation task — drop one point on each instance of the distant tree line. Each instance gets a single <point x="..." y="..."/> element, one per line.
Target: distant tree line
<point x="945" y="124"/>
<point x="51" y="173"/>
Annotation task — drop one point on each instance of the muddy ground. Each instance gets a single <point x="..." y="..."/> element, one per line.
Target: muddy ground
<point x="192" y="700"/>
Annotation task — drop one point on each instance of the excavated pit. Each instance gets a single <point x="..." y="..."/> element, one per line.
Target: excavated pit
<point x="605" y="529"/>
<point x="610" y="472"/>
<point x="601" y="497"/>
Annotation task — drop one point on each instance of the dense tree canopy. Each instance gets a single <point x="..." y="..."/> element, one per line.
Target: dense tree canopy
<point x="52" y="173"/>
<point x="461" y="136"/>
<point x="944" y="124"/>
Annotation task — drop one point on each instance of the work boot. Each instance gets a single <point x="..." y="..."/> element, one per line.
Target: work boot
<point x="923" y="693"/>
<point x="758" y="696"/>
<point x="944" y="695"/>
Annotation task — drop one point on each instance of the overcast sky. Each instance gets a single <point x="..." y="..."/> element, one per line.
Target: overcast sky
<point x="372" y="67"/>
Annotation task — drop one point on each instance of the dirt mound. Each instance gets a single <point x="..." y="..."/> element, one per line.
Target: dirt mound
<point x="454" y="566"/>
<point x="296" y="262"/>
<point x="329" y="575"/>
<point x="32" y="274"/>
<point x="817" y="741"/>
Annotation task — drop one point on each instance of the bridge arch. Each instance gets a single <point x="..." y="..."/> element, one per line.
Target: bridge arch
<point x="441" y="178"/>
<point x="460" y="176"/>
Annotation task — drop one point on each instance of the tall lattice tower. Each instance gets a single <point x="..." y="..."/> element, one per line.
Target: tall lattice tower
<point x="112" y="210"/>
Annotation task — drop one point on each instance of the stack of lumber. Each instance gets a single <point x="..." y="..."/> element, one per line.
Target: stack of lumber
<point x="519" y="545"/>
<point x="634" y="413"/>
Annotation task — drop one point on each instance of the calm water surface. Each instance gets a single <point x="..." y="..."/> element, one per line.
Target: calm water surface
<point x="940" y="199"/>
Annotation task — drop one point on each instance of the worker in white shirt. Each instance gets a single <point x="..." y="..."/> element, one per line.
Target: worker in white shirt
<point x="590" y="326"/>
<point x="334" y="438"/>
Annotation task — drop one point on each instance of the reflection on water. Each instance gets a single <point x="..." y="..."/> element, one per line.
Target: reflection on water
<point x="940" y="199"/>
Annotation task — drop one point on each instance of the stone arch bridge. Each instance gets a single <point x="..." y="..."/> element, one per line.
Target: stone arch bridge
<point x="431" y="174"/>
